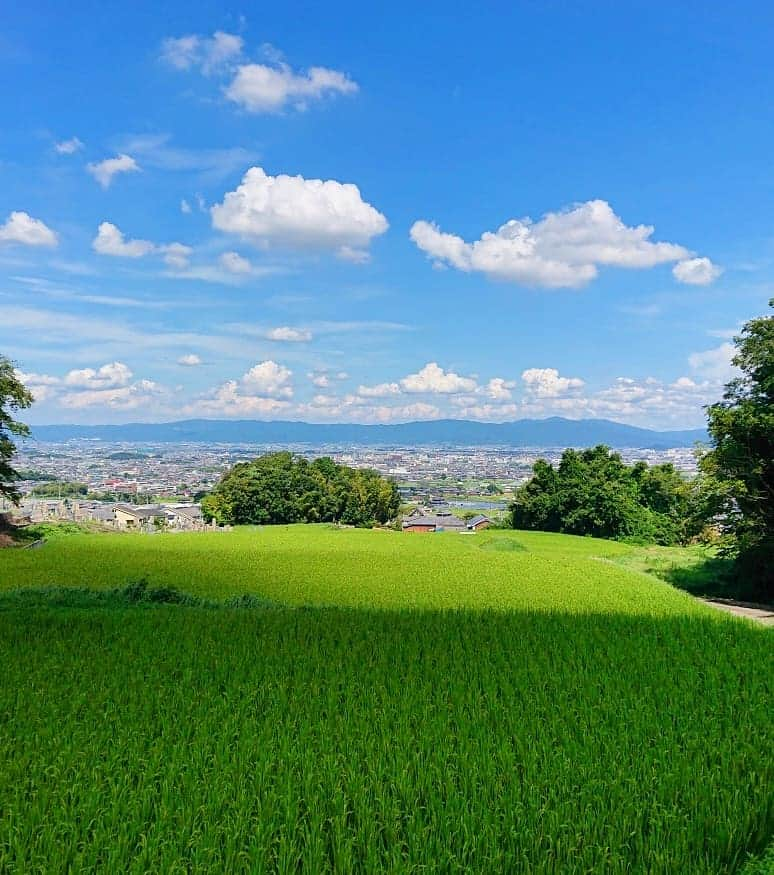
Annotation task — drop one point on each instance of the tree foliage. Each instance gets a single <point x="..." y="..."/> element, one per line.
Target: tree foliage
<point x="740" y="464"/>
<point x="60" y="489"/>
<point x="14" y="396"/>
<point x="282" y="488"/>
<point x="593" y="492"/>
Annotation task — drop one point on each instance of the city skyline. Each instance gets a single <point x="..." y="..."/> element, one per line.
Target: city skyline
<point x="382" y="216"/>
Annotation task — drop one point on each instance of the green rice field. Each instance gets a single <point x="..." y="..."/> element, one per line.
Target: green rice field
<point x="322" y="565"/>
<point x="504" y="702"/>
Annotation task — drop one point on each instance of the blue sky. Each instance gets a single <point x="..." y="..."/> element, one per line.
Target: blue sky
<point x="337" y="213"/>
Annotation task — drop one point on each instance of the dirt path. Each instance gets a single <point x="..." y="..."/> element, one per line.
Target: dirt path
<point x="742" y="609"/>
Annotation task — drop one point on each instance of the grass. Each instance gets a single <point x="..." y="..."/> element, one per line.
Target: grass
<point x="321" y="565"/>
<point x="322" y="740"/>
<point x="505" y="702"/>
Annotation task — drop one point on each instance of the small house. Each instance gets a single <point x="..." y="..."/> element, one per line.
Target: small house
<point x="478" y="523"/>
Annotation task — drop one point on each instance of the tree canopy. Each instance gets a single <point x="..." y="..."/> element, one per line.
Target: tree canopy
<point x="283" y="488"/>
<point x="593" y="492"/>
<point x="14" y="396"/>
<point x="741" y="461"/>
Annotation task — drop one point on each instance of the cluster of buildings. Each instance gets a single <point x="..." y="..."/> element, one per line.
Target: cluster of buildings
<point x="182" y="471"/>
<point x="118" y="515"/>
<point x="425" y="521"/>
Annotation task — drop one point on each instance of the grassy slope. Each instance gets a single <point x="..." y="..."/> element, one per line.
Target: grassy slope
<point x="322" y="565"/>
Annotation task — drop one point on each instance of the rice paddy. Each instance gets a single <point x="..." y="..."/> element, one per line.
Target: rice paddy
<point x="322" y="565"/>
<point x="421" y="704"/>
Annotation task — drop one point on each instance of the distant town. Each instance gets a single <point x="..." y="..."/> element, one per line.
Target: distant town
<point x="162" y="482"/>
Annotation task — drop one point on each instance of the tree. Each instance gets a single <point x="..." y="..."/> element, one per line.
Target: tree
<point x="741" y="461"/>
<point x="592" y="492"/>
<point x="282" y="488"/>
<point x="13" y="396"/>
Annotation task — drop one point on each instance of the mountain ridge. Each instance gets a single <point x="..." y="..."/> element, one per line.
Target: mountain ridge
<point x="554" y="431"/>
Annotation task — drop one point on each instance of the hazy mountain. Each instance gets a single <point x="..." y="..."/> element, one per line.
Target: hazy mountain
<point x="553" y="432"/>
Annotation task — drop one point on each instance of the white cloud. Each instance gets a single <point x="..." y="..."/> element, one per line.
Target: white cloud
<point x="696" y="271"/>
<point x="323" y="378"/>
<point x="715" y="364"/>
<point x="230" y="400"/>
<point x="209" y="54"/>
<point x="354" y="256"/>
<point x="110" y="241"/>
<point x="185" y="207"/>
<point x="233" y="262"/>
<point x="269" y="379"/>
<point x="260" y="88"/>
<point x="381" y="390"/>
<point x="499" y="389"/>
<point x="433" y="379"/>
<point x="42" y="386"/>
<point x="31" y="379"/>
<point x="21" y="228"/>
<point x="191" y="360"/>
<point x="546" y="382"/>
<point x="138" y="394"/>
<point x="108" y="376"/>
<point x="176" y="254"/>
<point x="68" y="147"/>
<point x="289" y="335"/>
<point x="563" y="249"/>
<point x="104" y="171"/>
<point x="290" y="211"/>
<point x="256" y="88"/>
<point x="489" y="412"/>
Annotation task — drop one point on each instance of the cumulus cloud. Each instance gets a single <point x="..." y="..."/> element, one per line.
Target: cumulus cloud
<point x="433" y="379"/>
<point x="42" y="386"/>
<point x="499" y="389"/>
<point x="356" y="409"/>
<point x="298" y="213"/>
<point x="233" y="262"/>
<point x="381" y="390"/>
<point x="324" y="377"/>
<point x="108" y="376"/>
<point x="259" y="88"/>
<point x="231" y="400"/>
<point x="256" y="88"/>
<point x="547" y="383"/>
<point x="696" y="271"/>
<point x="104" y="171"/>
<point x="563" y="249"/>
<point x="269" y="379"/>
<point x="68" y="147"/>
<point x="289" y="335"/>
<point x="715" y="364"/>
<point x="130" y="397"/>
<point x="176" y="254"/>
<point x="21" y="228"/>
<point x="185" y="207"/>
<point x="191" y="360"/>
<point x="110" y="241"/>
<point x="489" y="412"/>
<point x="209" y="54"/>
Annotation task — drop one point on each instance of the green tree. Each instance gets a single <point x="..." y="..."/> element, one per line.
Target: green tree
<point x="282" y="488"/>
<point x="13" y="396"/>
<point x="740" y="464"/>
<point x="592" y="492"/>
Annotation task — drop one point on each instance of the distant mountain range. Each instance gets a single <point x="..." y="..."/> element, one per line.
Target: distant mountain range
<point x="553" y="432"/>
